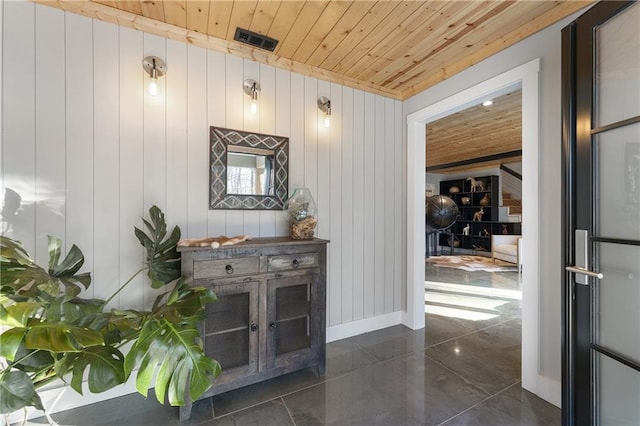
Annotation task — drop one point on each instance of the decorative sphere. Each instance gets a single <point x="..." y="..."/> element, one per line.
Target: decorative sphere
<point x="441" y="213"/>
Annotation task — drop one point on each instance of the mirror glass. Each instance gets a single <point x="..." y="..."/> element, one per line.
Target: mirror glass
<point x="250" y="173"/>
<point x="247" y="170"/>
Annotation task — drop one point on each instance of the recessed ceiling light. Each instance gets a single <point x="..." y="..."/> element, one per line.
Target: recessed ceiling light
<point x="487" y="103"/>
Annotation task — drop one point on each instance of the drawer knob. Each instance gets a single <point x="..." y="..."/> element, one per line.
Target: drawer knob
<point x="296" y="263"/>
<point x="254" y="327"/>
<point x="229" y="269"/>
<point x="272" y="325"/>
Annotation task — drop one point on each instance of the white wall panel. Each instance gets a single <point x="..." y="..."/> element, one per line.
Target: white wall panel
<point x="216" y="89"/>
<point x="106" y="158"/>
<point x="79" y="129"/>
<point x="311" y="139"/>
<point x="18" y="141"/>
<point x="296" y="138"/>
<point x="390" y="173"/>
<point x="399" y="200"/>
<point x="323" y="163"/>
<point x="118" y="150"/>
<point x="177" y="169"/>
<point x="359" y="210"/>
<point x="379" y="185"/>
<point x="132" y="208"/>
<point x="334" y="169"/>
<point x="268" y="126"/>
<point x="50" y="129"/>
<point x="235" y="102"/>
<point x="346" y="194"/>
<point x="197" y="143"/>
<point x="369" y="205"/>
<point x="283" y="114"/>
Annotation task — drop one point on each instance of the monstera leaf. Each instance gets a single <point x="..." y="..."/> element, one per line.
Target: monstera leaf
<point x="163" y="259"/>
<point x="21" y="277"/>
<point x="17" y="391"/>
<point x="50" y="331"/>
<point x="170" y="343"/>
<point x="105" y="363"/>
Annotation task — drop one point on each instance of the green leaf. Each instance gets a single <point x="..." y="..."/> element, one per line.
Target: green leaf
<point x="16" y="392"/>
<point x="174" y="351"/>
<point x="106" y="368"/>
<point x="81" y="312"/>
<point x="29" y="360"/>
<point x="61" y="337"/>
<point x="12" y="249"/>
<point x="10" y="341"/>
<point x="70" y="265"/>
<point x="55" y="250"/>
<point x="17" y="314"/>
<point x="163" y="259"/>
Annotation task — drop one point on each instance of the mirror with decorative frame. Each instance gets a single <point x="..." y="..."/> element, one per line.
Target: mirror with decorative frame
<point x="248" y="171"/>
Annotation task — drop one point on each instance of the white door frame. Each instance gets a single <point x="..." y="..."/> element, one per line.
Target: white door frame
<point x="525" y="75"/>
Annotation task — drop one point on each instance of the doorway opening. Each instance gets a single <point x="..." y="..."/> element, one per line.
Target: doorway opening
<point x="525" y="76"/>
<point x="472" y="263"/>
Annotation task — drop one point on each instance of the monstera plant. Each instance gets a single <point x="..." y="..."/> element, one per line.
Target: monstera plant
<point x="50" y="332"/>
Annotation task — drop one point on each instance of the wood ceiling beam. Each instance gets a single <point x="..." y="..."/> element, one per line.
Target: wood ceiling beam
<point x="478" y="160"/>
<point x="126" y="19"/>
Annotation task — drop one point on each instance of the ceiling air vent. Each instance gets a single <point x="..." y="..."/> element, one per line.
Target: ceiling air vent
<point x="256" y="40"/>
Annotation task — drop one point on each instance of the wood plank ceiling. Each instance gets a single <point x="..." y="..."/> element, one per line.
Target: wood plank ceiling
<point x="476" y="133"/>
<point x="393" y="48"/>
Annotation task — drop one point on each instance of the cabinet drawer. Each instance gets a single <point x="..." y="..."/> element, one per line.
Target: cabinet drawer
<point x="226" y="267"/>
<point x="292" y="261"/>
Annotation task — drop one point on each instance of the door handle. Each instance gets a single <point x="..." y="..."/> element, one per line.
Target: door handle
<point x="584" y="271"/>
<point x="581" y="268"/>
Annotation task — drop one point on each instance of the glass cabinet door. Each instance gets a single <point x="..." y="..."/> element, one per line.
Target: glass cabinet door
<point x="292" y="332"/>
<point x="231" y="329"/>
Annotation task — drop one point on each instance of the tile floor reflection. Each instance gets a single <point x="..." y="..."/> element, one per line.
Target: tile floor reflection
<point x="462" y="369"/>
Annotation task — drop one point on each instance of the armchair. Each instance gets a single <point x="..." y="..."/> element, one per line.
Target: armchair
<point x="507" y="248"/>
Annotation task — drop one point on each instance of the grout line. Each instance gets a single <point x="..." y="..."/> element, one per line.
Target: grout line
<point x="472" y="332"/>
<point x="478" y="403"/>
<point x="288" y="411"/>
<point x="467" y="380"/>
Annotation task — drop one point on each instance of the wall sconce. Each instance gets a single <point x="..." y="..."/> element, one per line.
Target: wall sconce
<point x="155" y="67"/>
<point x="324" y="105"/>
<point x="251" y="88"/>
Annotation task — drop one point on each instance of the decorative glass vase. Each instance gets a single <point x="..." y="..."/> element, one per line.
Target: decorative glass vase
<point x="302" y="212"/>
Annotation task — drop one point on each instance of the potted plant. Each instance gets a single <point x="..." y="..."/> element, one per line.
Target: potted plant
<point x="50" y="332"/>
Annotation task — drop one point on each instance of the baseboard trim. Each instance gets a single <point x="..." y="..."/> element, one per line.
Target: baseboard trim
<point x="354" y="328"/>
<point x="548" y="389"/>
<point x="71" y="399"/>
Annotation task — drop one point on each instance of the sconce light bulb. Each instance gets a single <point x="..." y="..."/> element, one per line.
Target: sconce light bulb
<point x="327" y="121"/>
<point x="153" y="87"/>
<point x="254" y="106"/>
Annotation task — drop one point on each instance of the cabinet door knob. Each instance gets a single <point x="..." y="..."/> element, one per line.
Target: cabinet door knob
<point x="296" y="263"/>
<point x="229" y="269"/>
<point x="253" y="326"/>
<point x="272" y="325"/>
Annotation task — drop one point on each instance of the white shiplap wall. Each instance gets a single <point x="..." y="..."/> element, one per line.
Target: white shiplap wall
<point x="90" y="151"/>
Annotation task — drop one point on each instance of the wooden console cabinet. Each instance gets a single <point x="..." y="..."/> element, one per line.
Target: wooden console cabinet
<point x="270" y="315"/>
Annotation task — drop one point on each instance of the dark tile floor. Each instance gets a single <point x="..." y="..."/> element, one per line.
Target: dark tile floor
<point x="463" y="369"/>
